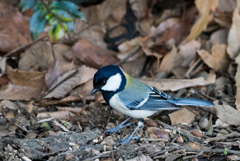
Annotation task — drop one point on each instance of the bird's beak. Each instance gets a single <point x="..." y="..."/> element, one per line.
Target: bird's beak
<point x="94" y="91"/>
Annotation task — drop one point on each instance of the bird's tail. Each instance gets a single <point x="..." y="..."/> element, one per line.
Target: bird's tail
<point x="189" y="102"/>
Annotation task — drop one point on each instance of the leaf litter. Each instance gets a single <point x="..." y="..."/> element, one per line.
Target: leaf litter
<point x="182" y="48"/>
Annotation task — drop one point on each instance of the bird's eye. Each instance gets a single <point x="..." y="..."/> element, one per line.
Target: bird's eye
<point x="104" y="81"/>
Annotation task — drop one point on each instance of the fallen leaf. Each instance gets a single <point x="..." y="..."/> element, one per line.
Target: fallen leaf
<point x="237" y="78"/>
<point x="188" y="51"/>
<point x="141" y="158"/>
<point x="4" y="80"/>
<point x="182" y="116"/>
<point x="205" y="9"/>
<point x="9" y="104"/>
<point x="24" y="85"/>
<point x="227" y="6"/>
<point x="197" y="133"/>
<point x="92" y="55"/>
<point x="171" y="60"/>
<point x="146" y="43"/>
<point x="175" y="28"/>
<point x="218" y="60"/>
<point x="14" y="28"/>
<point x="37" y="57"/>
<point x="69" y="80"/>
<point x="227" y="113"/>
<point x="65" y="115"/>
<point x="58" y="73"/>
<point x="194" y="145"/>
<point x="156" y="132"/>
<point x="176" y="84"/>
<point x="75" y="110"/>
<point x="234" y="34"/>
<point x="26" y="78"/>
<point x="16" y="92"/>
<point x="129" y="45"/>
<point x="219" y="37"/>
<point x="94" y="34"/>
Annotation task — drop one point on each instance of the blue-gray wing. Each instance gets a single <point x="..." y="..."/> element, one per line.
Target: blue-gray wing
<point x="157" y="102"/>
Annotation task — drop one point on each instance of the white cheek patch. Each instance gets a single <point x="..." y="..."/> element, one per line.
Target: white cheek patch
<point x="113" y="83"/>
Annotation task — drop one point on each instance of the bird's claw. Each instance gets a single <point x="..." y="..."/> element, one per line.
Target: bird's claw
<point x="126" y="140"/>
<point x="110" y="131"/>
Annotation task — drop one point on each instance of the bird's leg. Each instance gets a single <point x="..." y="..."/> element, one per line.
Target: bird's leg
<point x="120" y="126"/>
<point x="130" y="137"/>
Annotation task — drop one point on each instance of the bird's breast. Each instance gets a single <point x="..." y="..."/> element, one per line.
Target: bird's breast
<point x="118" y="105"/>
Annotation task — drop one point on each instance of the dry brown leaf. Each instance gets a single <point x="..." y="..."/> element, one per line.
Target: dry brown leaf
<point x="75" y="110"/>
<point x="65" y="115"/>
<point x="182" y="116"/>
<point x="14" y="30"/>
<point x="227" y="113"/>
<point x="194" y="145"/>
<point x="234" y="34"/>
<point x="58" y="73"/>
<point x="94" y="34"/>
<point x="140" y="158"/>
<point x="176" y="84"/>
<point x="227" y="6"/>
<point x="26" y="78"/>
<point x="205" y="9"/>
<point x="237" y="78"/>
<point x="175" y="28"/>
<point x="188" y="51"/>
<point x="69" y="80"/>
<point x="156" y="132"/>
<point x="24" y="85"/>
<point x="218" y="60"/>
<point x="146" y="44"/>
<point x="37" y="57"/>
<point x="170" y="61"/>
<point x="219" y="37"/>
<point x="16" y="92"/>
<point x="129" y="45"/>
<point x="92" y="55"/>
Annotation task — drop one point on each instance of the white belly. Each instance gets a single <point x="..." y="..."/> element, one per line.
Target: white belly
<point x="117" y="105"/>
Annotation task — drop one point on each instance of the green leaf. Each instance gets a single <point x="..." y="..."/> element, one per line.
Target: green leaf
<point x="210" y="130"/>
<point x="26" y="4"/>
<point x="226" y="151"/>
<point x="64" y="15"/>
<point x="69" y="7"/>
<point x="40" y="6"/>
<point x="37" y="23"/>
<point x="45" y="126"/>
<point x="56" y="32"/>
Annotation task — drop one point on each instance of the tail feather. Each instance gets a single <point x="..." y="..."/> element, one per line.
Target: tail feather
<point x="189" y="102"/>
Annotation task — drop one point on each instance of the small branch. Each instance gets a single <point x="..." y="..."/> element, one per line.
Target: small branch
<point x="23" y="47"/>
<point x="183" y="132"/>
<point x="233" y="134"/>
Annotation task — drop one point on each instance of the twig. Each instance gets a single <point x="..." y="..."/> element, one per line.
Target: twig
<point x="193" y="156"/>
<point x="150" y="139"/>
<point x="183" y="132"/>
<point x="23" y="47"/>
<point x="113" y="159"/>
<point x="233" y="134"/>
<point x="187" y="149"/>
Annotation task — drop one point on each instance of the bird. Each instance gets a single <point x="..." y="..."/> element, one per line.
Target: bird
<point x="134" y="98"/>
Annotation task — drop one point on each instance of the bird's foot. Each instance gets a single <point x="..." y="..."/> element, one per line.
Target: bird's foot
<point x="110" y="131"/>
<point x="126" y="140"/>
<point x="115" y="129"/>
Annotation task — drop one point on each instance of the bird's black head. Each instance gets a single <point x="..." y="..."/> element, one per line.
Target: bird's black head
<point x="109" y="79"/>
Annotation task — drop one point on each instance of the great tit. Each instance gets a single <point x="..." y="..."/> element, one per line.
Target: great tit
<point x="134" y="98"/>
